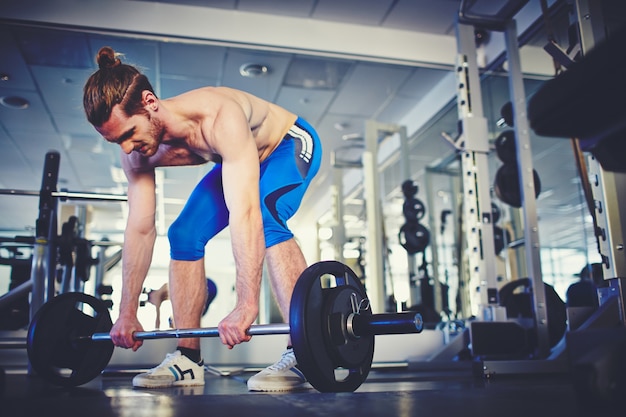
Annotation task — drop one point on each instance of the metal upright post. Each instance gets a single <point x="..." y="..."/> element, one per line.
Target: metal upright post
<point x="339" y="229"/>
<point x="475" y="177"/>
<point x="415" y="295"/>
<point x="376" y="286"/>
<point x="434" y="240"/>
<point x="371" y="180"/>
<point x="81" y="214"/>
<point x="527" y="187"/>
<point x="42" y="275"/>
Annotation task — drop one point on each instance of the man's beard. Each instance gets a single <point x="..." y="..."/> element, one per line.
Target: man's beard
<point x="157" y="132"/>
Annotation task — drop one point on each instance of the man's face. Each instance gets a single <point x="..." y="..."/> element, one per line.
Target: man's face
<point x="139" y="133"/>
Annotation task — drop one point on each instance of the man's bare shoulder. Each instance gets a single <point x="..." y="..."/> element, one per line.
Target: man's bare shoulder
<point x="209" y="101"/>
<point x="216" y="93"/>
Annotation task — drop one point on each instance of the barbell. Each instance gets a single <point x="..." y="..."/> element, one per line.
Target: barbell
<point x="331" y="326"/>
<point x="64" y="195"/>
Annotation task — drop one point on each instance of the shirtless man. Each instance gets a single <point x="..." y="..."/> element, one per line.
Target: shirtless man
<point x="265" y="157"/>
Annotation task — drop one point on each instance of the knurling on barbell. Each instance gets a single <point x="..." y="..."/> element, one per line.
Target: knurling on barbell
<point x="68" y="340"/>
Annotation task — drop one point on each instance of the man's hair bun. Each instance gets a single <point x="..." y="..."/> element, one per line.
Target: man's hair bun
<point x="107" y="58"/>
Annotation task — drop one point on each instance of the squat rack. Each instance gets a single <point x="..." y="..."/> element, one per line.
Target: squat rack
<point x="474" y="147"/>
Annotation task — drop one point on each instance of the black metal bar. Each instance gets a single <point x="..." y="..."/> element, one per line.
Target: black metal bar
<point x="7" y="191"/>
<point x="16" y="293"/>
<point x="388" y="323"/>
<point x="67" y="195"/>
<point x="21" y="241"/>
<point x="13" y="343"/>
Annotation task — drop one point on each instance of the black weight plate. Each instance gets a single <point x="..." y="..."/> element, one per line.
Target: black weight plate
<point x="414" y="237"/>
<point x="506" y="111"/>
<point x="413" y="209"/>
<point x="507" y="187"/>
<point x="506" y="147"/>
<point x="409" y="188"/>
<point x="330" y="360"/>
<point x="53" y="347"/>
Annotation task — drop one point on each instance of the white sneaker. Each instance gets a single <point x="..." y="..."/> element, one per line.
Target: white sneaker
<point x="281" y="376"/>
<point x="176" y="370"/>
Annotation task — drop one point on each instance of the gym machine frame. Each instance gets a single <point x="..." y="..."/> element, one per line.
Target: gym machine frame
<point x="371" y="179"/>
<point x="477" y="206"/>
<point x="608" y="188"/>
<point x="375" y="134"/>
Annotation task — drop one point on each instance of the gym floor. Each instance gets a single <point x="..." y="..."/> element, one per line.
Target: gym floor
<point x="386" y="392"/>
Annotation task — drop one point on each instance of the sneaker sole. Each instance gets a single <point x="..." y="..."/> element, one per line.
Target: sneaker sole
<point x="301" y="387"/>
<point x="170" y="385"/>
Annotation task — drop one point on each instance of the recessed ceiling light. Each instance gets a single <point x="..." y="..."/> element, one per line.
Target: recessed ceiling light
<point x="352" y="136"/>
<point x="253" y="70"/>
<point x="341" y="126"/>
<point x="14" y="102"/>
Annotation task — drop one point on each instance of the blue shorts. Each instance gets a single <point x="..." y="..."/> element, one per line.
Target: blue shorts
<point x="285" y="176"/>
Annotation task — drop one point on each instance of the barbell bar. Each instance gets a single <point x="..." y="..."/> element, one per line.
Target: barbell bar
<point x="356" y="326"/>
<point x="67" y="195"/>
<point x="255" y="330"/>
<point x="331" y="327"/>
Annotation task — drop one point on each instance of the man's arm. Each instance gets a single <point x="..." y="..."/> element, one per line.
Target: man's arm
<point x="234" y="142"/>
<point x="139" y="238"/>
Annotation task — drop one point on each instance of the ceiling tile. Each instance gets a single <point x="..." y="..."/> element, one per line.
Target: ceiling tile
<point x="171" y="87"/>
<point x="310" y="104"/>
<point x="13" y="165"/>
<point x="200" y="61"/>
<point x="12" y="63"/>
<point x="361" y="12"/>
<point x="75" y="124"/>
<point x="53" y="48"/>
<point x="315" y="73"/>
<point x="62" y="88"/>
<point x="397" y="108"/>
<point x="367" y="88"/>
<point x="421" y="16"/>
<point x="421" y="81"/>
